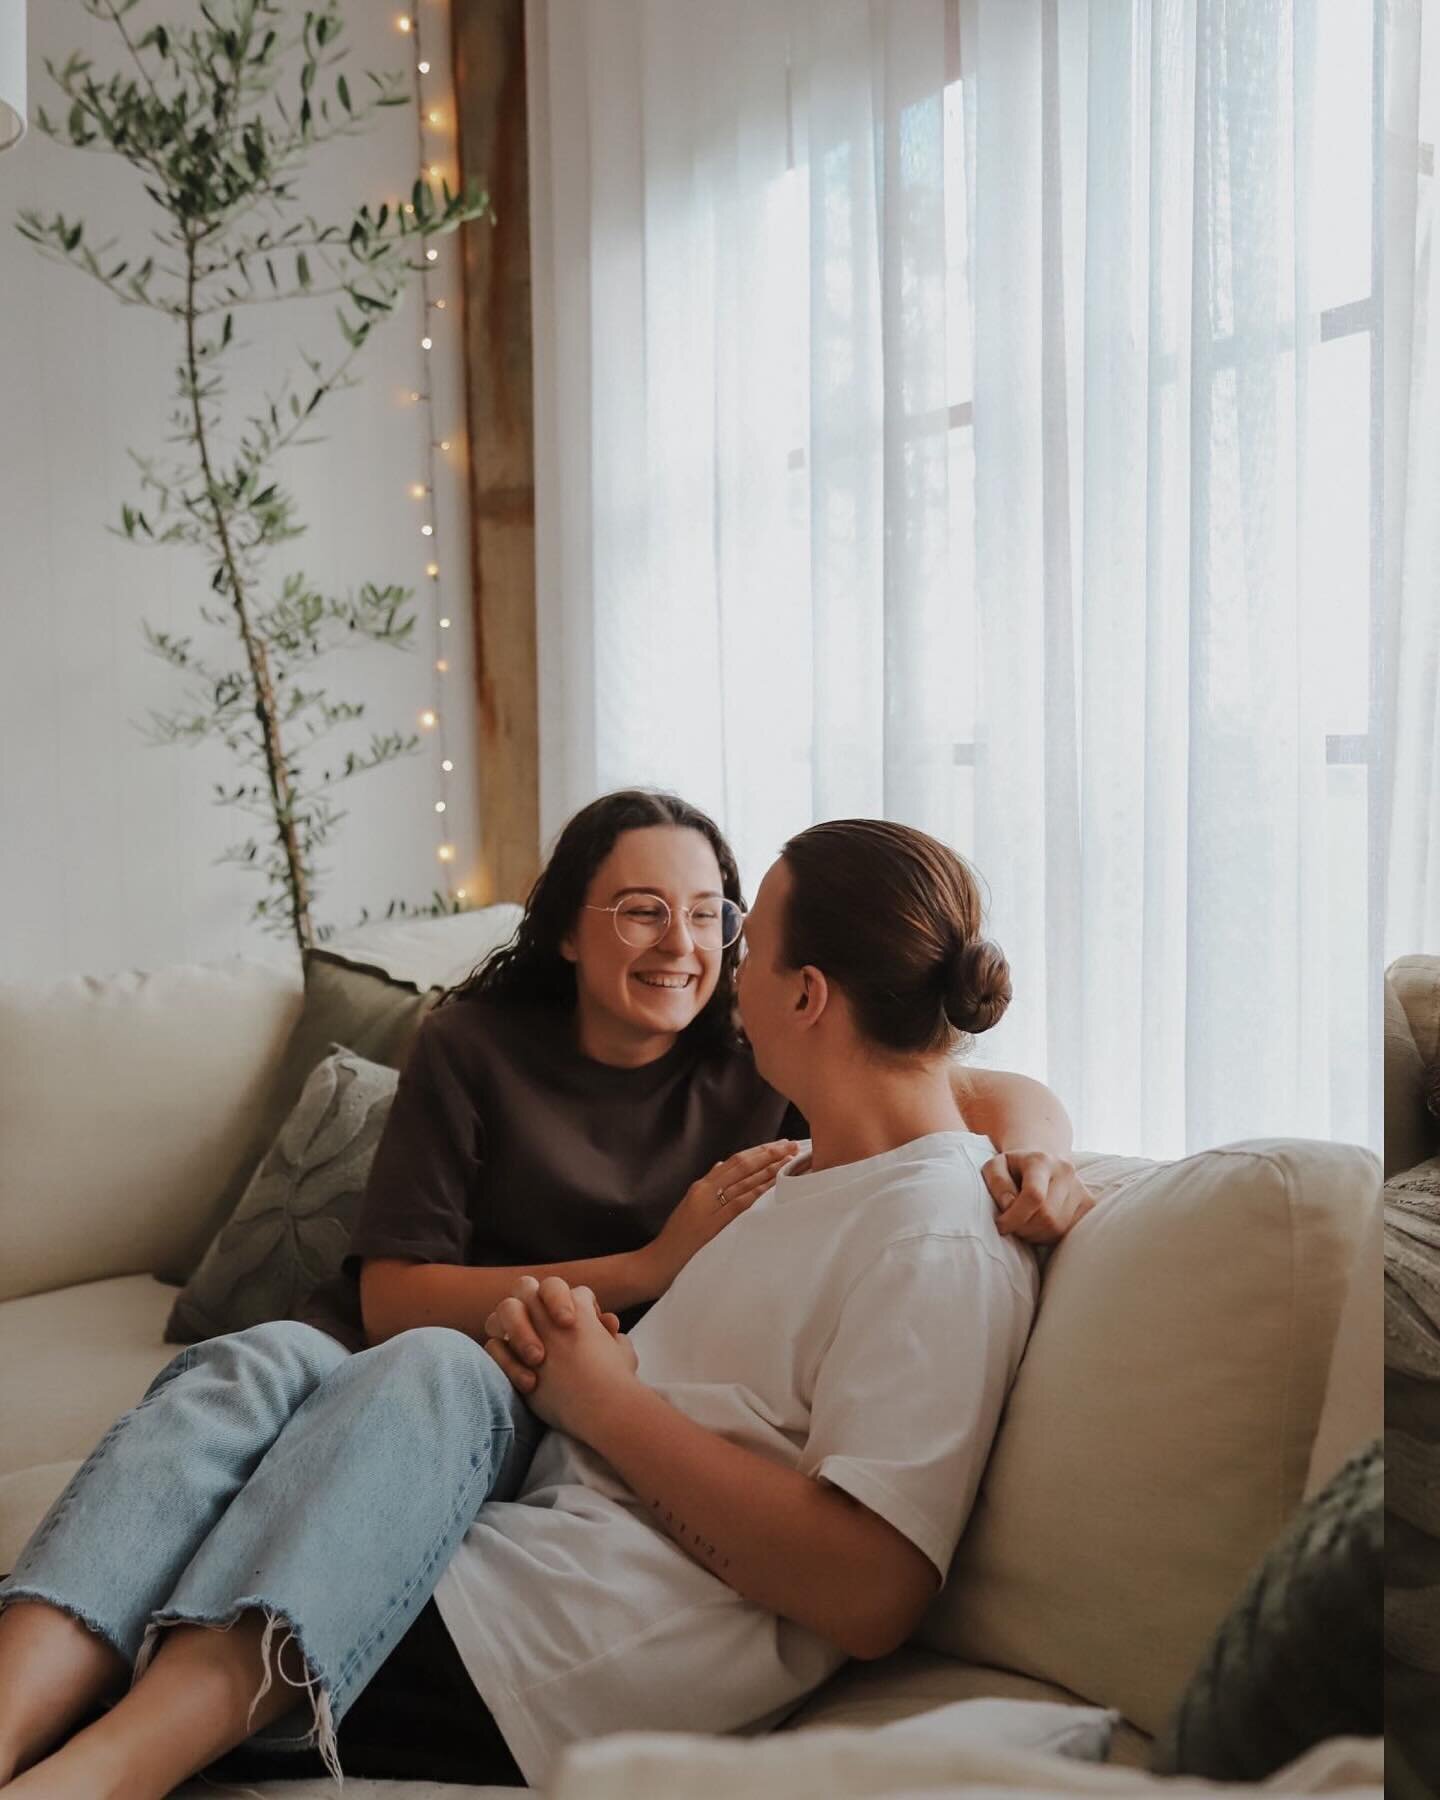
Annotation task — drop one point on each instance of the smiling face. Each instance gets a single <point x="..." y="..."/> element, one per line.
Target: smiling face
<point x="632" y="1002"/>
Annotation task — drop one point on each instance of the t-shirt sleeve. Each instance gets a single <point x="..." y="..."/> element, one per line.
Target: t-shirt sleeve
<point x="417" y="1197"/>
<point x="910" y="1390"/>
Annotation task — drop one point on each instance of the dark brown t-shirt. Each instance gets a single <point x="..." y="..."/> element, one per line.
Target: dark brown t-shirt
<point x="506" y="1145"/>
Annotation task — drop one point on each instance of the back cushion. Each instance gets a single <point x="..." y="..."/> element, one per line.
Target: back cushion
<point x="124" y="1103"/>
<point x="1160" y="1430"/>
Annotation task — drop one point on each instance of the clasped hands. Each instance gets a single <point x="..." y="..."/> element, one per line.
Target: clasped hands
<point x="559" y="1350"/>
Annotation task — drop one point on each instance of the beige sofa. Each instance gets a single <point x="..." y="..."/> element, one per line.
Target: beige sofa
<point x="1188" y="1379"/>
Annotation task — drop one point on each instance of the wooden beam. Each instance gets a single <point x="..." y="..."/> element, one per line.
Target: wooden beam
<point x="489" y="60"/>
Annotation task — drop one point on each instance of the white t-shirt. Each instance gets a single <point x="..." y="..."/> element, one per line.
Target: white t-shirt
<point x="862" y="1325"/>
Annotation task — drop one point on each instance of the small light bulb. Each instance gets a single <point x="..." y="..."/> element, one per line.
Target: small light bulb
<point x="423" y="67"/>
<point x="443" y="666"/>
<point x="408" y="207"/>
<point x="429" y="719"/>
<point x="459" y="893"/>
<point x="425" y="343"/>
<point x="447" y="765"/>
<point x="432" y="570"/>
<point x="414" y="396"/>
<point x="403" y="22"/>
<point x="440" y="304"/>
<point x="427" y="531"/>
<point x="439" y="806"/>
<point x="434" y="171"/>
<point x="417" y="491"/>
<point x="434" y="118"/>
<point x="444" y="443"/>
<point x="444" y="624"/>
<point x="431" y="255"/>
<point x="446" y="853"/>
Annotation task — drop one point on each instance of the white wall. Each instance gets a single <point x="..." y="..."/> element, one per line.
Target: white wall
<point x="107" y="845"/>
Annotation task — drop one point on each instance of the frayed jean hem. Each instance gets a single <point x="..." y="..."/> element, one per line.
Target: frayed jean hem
<point x="321" y="1734"/>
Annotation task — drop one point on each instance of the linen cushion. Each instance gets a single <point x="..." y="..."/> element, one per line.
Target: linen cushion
<point x="1354" y="1408"/>
<point x="1299" y="1657"/>
<point x="1159" y="1433"/>
<point x="291" y="1229"/>
<point x="74" y="1359"/>
<point x="123" y="1100"/>
<point x="345" y="1003"/>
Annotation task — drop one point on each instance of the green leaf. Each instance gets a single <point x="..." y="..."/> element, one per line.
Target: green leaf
<point x="302" y="268"/>
<point x="342" y="88"/>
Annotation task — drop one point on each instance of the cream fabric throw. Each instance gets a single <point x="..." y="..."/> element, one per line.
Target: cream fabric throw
<point x="845" y="1764"/>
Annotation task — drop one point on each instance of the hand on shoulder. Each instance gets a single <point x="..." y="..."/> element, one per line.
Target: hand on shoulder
<point x="1039" y="1198"/>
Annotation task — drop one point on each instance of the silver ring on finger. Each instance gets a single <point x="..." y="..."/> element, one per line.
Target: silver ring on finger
<point x="724" y="1198"/>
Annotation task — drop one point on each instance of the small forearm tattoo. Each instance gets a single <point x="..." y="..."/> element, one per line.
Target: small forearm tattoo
<point x="699" y="1546"/>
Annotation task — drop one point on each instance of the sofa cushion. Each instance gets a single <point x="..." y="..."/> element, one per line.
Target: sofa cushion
<point x="122" y="1103"/>
<point x="1354" y="1409"/>
<point x="290" y="1232"/>
<point x="345" y="1003"/>
<point x="1159" y="1432"/>
<point x="74" y="1359"/>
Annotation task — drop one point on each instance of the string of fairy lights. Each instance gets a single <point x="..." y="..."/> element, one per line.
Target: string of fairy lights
<point x="429" y="120"/>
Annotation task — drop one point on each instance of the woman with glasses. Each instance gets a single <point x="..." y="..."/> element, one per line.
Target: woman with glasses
<point x="585" y="1106"/>
<point x="583" y="1112"/>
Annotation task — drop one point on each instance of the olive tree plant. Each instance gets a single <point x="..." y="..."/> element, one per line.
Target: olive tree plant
<point x="216" y="117"/>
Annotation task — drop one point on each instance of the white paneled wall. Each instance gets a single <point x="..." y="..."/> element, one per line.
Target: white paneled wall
<point x="108" y="845"/>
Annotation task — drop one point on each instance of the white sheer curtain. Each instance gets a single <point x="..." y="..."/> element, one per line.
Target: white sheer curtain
<point x="1412" y="482"/>
<point x="962" y="410"/>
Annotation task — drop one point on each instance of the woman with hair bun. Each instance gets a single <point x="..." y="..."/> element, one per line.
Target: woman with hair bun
<point x="757" y="1483"/>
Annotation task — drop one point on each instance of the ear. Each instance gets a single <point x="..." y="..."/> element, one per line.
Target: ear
<point x="813" y="997"/>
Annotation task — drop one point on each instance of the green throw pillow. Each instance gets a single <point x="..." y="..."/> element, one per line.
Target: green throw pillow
<point x="1299" y="1658"/>
<point x="345" y="1003"/>
<point x="292" y="1227"/>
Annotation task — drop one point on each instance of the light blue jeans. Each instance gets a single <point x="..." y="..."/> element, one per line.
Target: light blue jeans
<point x="273" y="1470"/>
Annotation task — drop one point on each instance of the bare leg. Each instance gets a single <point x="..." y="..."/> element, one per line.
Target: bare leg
<point x="53" y="1671"/>
<point x="191" y="1705"/>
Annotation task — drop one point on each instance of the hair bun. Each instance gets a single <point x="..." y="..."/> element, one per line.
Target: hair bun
<point x="977" y="989"/>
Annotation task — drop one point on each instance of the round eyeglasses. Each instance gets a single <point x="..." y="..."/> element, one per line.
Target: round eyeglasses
<point x="643" y="920"/>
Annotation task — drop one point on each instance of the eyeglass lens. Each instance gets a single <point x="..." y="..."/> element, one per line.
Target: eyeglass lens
<point x="644" y="920"/>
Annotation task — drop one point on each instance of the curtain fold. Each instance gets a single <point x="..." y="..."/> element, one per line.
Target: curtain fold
<point x="1411" y="697"/>
<point x="941" y="422"/>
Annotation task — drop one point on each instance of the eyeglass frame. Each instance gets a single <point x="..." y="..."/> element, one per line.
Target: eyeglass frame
<point x="670" y="913"/>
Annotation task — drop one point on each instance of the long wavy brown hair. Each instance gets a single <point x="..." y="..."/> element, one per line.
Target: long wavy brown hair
<point x="531" y="971"/>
